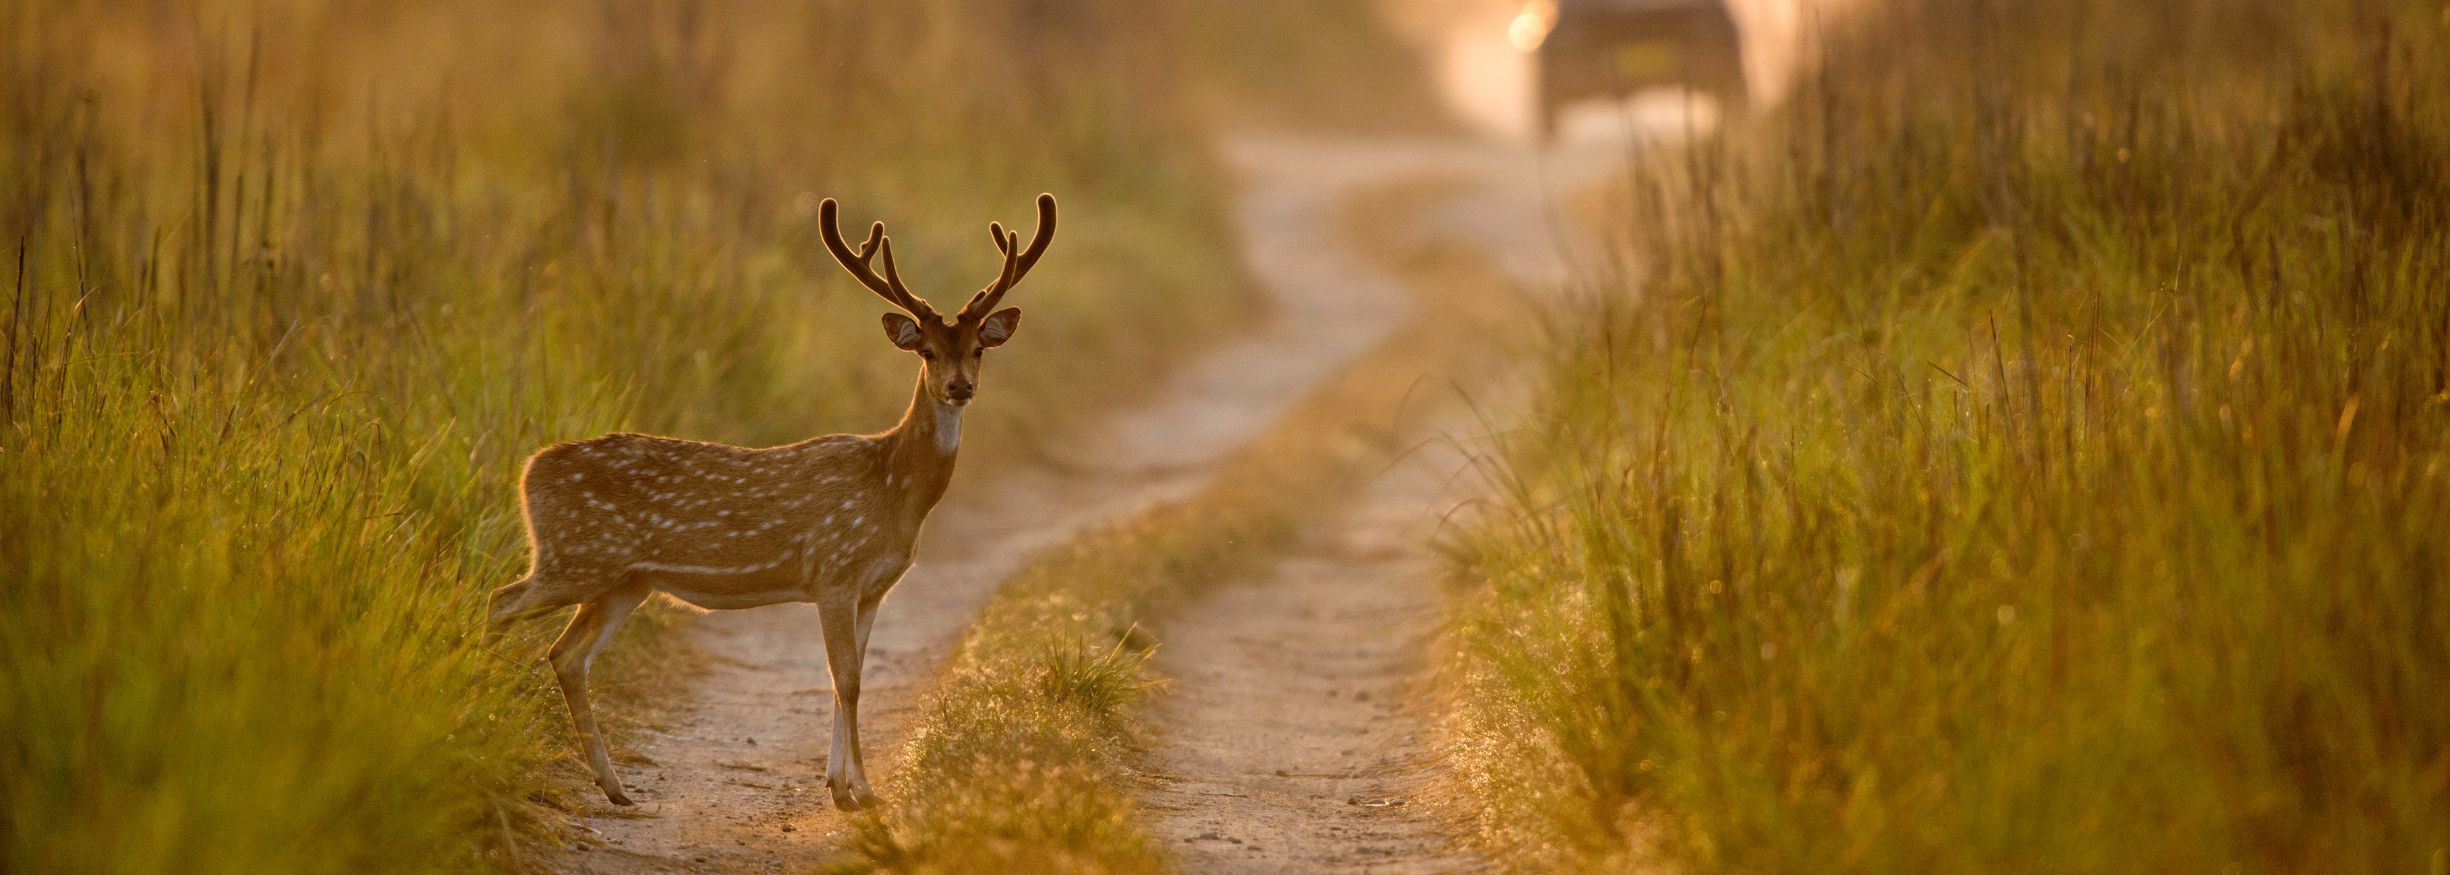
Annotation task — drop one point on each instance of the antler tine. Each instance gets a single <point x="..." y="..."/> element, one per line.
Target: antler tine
<point x="1017" y="261"/>
<point x="893" y="273"/>
<point x="860" y="263"/>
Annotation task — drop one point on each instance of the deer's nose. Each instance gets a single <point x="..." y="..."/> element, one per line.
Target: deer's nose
<point x="960" y="389"/>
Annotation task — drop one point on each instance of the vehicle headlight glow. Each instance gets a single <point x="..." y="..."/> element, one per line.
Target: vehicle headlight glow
<point x="1531" y="26"/>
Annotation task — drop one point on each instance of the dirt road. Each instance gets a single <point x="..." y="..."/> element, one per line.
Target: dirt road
<point x="733" y="782"/>
<point x="1293" y="736"/>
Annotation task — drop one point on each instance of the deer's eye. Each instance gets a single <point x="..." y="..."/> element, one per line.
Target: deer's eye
<point x="979" y="353"/>
<point x="928" y="354"/>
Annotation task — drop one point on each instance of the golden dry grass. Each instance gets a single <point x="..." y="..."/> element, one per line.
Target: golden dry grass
<point x="2025" y="452"/>
<point x="294" y="286"/>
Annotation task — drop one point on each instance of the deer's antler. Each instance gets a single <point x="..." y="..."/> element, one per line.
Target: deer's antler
<point x="889" y="286"/>
<point x="1017" y="261"/>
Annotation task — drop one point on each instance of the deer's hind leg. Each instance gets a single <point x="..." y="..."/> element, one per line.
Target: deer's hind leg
<point x="545" y="589"/>
<point x="574" y="653"/>
<point x="523" y="599"/>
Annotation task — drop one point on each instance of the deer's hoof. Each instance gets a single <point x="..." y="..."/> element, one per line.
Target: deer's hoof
<point x="851" y="797"/>
<point x="617" y="797"/>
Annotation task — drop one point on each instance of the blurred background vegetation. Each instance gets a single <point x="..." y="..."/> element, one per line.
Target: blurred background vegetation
<point x="295" y="286"/>
<point x="2026" y="451"/>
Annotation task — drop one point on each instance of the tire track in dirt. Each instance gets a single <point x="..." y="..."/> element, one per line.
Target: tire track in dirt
<point x="1294" y="734"/>
<point x="1293" y="740"/>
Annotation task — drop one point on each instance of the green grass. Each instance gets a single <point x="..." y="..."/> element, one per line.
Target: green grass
<point x="2028" y="451"/>
<point x="301" y="285"/>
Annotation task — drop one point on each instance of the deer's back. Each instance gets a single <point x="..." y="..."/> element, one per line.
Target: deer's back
<point x="640" y="500"/>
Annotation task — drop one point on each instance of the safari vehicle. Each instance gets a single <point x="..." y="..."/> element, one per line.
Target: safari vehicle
<point x="1591" y="49"/>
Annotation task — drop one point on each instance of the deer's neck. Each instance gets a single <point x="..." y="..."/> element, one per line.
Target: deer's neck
<point x="919" y="451"/>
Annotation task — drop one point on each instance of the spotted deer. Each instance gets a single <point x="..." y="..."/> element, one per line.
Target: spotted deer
<point x="832" y="520"/>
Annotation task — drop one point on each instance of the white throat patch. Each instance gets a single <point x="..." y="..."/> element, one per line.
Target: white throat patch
<point x="948" y="428"/>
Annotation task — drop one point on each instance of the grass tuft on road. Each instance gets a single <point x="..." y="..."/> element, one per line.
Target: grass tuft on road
<point x="1020" y="758"/>
<point x="2027" y="451"/>
<point x="292" y="288"/>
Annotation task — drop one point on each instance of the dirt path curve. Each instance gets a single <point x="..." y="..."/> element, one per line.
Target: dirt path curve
<point x="735" y="781"/>
<point x="1292" y="737"/>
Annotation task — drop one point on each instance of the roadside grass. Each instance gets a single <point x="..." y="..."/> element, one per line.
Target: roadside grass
<point x="293" y="288"/>
<point x="2027" y="451"/>
<point x="1022" y="755"/>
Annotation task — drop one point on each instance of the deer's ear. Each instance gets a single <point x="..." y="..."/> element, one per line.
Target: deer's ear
<point x="903" y="331"/>
<point x="999" y="327"/>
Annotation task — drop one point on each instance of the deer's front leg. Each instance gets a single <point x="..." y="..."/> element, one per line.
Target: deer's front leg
<point x="849" y="782"/>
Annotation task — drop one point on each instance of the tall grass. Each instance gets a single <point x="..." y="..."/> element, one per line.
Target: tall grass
<point x="2026" y="452"/>
<point x="294" y="286"/>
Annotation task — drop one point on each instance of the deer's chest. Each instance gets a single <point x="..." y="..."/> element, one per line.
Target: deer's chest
<point x="852" y="548"/>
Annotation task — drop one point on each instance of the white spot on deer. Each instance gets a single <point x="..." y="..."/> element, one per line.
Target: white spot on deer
<point x="709" y="569"/>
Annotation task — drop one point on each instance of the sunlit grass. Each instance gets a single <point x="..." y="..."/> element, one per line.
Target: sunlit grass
<point x="302" y="284"/>
<point x="2025" y="453"/>
<point x="1020" y="756"/>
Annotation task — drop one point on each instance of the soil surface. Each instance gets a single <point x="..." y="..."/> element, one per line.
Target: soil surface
<point x="1295" y="735"/>
<point x="1292" y="738"/>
